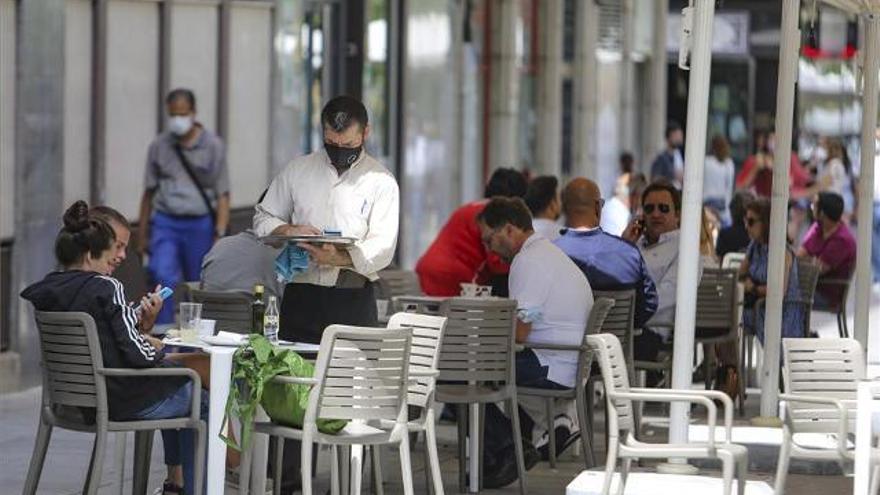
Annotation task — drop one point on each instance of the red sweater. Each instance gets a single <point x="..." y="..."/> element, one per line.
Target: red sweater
<point x="763" y="183"/>
<point x="457" y="255"/>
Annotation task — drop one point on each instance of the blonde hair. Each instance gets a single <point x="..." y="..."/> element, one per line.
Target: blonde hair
<point x="707" y="236"/>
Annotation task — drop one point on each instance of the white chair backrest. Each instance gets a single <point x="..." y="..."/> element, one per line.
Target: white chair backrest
<point x="479" y="338"/>
<point x="614" y="376"/>
<point x="825" y="368"/>
<point x="733" y="260"/>
<point x="427" y="336"/>
<point x="231" y="310"/>
<point x="362" y="374"/>
<point x="71" y="357"/>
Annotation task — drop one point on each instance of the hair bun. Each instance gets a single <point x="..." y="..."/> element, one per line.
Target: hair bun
<point x="76" y="218"/>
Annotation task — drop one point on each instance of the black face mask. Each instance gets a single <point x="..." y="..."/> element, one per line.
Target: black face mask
<point x="341" y="157"/>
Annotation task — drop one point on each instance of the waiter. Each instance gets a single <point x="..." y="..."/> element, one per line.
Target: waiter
<point x="340" y="188"/>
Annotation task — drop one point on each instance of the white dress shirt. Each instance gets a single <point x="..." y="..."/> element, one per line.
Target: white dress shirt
<point x="662" y="261"/>
<point x="547" y="228"/>
<point x="555" y="294"/>
<point x="363" y="203"/>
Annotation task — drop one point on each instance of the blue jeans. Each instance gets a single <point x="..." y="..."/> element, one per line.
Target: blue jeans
<point x="180" y="448"/>
<point x="875" y="243"/>
<point x="498" y="436"/>
<point x="177" y="246"/>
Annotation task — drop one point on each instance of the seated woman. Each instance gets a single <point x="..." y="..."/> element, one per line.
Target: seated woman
<point x="753" y="273"/>
<point x="85" y="250"/>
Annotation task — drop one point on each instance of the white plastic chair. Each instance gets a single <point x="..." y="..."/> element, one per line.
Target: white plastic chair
<point x="361" y="375"/>
<point x="427" y="334"/>
<point x="733" y="260"/>
<point x="619" y="405"/>
<point x="821" y="380"/>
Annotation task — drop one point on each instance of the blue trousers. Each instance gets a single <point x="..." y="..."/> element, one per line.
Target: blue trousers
<point x="177" y="246"/>
<point x="179" y="445"/>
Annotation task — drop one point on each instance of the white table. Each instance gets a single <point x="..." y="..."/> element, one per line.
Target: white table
<point x="590" y="483"/>
<point x="221" y="373"/>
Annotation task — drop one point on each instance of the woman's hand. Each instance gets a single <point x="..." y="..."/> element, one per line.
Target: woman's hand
<point x="156" y="343"/>
<point x="150" y="306"/>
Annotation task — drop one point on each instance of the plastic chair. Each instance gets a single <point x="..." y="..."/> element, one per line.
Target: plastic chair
<point x="361" y="375"/>
<point x="717" y="316"/>
<point x="231" y="310"/>
<point x="394" y="283"/>
<point x="75" y="387"/>
<point x="619" y="404"/>
<point x="598" y="314"/>
<point x="837" y="305"/>
<point x="427" y="338"/>
<point x="821" y="381"/>
<point x="733" y="260"/>
<point x="478" y="356"/>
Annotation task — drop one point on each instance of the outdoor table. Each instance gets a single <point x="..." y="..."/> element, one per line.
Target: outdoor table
<point x="221" y="372"/>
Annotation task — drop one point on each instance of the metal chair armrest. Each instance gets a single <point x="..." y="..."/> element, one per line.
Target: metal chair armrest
<point x="674" y="396"/>
<point x="295" y="380"/>
<point x="553" y="347"/>
<point x="195" y="407"/>
<point x="709" y="394"/>
<point x="841" y="409"/>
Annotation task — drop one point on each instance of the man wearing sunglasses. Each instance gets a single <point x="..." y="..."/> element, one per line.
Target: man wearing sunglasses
<point x="655" y="233"/>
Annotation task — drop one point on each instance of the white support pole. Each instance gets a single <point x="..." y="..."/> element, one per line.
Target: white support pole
<point x="788" y="64"/>
<point x="626" y="126"/>
<point x="586" y="88"/>
<point x="504" y="100"/>
<point x="655" y="141"/>
<point x="691" y="216"/>
<point x="548" y="153"/>
<point x="871" y="59"/>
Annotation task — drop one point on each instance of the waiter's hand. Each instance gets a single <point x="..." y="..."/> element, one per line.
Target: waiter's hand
<point x="327" y="254"/>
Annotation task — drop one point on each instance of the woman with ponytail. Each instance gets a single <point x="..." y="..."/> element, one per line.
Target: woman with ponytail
<point x="85" y="250"/>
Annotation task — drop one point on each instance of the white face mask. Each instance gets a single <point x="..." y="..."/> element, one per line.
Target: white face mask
<point x="180" y="124"/>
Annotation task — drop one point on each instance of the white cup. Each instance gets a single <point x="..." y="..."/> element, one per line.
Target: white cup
<point x="475" y="290"/>
<point x="206" y="327"/>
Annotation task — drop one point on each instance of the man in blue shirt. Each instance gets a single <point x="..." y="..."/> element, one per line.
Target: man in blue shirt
<point x="609" y="262"/>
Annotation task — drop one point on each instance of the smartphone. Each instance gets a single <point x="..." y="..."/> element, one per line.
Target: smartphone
<point x="164" y="293"/>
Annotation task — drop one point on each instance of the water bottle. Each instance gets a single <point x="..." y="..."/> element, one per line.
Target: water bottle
<point x="270" y="321"/>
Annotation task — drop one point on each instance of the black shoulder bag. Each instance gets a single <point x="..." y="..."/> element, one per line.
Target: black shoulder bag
<point x="192" y="175"/>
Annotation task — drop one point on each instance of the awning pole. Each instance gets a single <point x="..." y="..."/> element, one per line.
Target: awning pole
<point x="691" y="217"/>
<point x="871" y="60"/>
<point x="788" y="66"/>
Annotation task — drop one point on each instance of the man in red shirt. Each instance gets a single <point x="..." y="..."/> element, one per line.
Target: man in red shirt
<point x="833" y="246"/>
<point x="757" y="170"/>
<point x="458" y="255"/>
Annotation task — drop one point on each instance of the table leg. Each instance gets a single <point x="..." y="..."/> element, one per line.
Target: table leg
<point x="474" y="449"/>
<point x="221" y="371"/>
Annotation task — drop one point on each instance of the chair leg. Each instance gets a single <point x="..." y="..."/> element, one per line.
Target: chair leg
<point x="356" y="469"/>
<point x="305" y="464"/>
<point x="551" y="431"/>
<point x="707" y="367"/>
<point x="41" y="445"/>
<point x="584" y="420"/>
<point x="782" y="463"/>
<point x="427" y="460"/>
<point x="742" y="472"/>
<point x="610" y="464"/>
<point x="462" y="418"/>
<point x="201" y="439"/>
<point x="143" y="446"/>
<point x="376" y="453"/>
<point x="727" y="465"/>
<point x="406" y="465"/>
<point x="334" y="470"/>
<point x="481" y="422"/>
<point x="517" y="443"/>
<point x="588" y="425"/>
<point x="306" y="469"/>
<point x="433" y="457"/>
<point x="624" y="472"/>
<point x="93" y="479"/>
<point x="875" y="480"/>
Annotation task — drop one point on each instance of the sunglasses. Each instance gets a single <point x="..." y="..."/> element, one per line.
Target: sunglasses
<point x="752" y="221"/>
<point x="650" y="207"/>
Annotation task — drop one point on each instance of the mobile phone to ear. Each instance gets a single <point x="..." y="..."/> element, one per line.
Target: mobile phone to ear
<point x="164" y="293"/>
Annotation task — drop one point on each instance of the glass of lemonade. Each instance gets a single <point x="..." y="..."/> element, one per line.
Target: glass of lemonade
<point x="190" y="321"/>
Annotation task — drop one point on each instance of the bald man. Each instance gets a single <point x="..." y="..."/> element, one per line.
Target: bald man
<point x="609" y="262"/>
